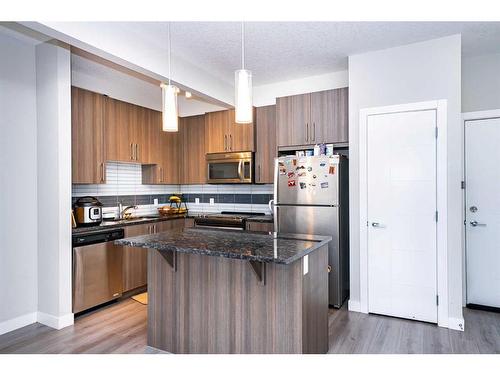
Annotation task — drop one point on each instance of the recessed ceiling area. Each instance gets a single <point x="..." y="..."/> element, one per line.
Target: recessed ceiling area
<point x="280" y="51"/>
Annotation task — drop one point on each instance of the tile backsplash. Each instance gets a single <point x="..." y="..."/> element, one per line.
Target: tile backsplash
<point x="124" y="185"/>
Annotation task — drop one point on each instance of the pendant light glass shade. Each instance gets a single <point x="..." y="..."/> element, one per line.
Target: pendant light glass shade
<point x="170" y="119"/>
<point x="243" y="96"/>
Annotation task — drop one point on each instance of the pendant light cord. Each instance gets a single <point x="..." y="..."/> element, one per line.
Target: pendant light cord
<point x="242" y="46"/>
<point x="169" y="55"/>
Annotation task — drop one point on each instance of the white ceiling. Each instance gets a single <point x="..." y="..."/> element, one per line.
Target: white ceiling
<point x="279" y="51"/>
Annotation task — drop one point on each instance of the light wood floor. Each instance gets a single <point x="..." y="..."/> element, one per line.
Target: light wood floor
<point x="121" y="328"/>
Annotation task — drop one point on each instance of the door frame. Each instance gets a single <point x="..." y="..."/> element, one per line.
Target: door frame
<point x="440" y="106"/>
<point x="469" y="116"/>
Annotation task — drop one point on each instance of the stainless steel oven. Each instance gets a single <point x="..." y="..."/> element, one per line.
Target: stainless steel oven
<point x="230" y="168"/>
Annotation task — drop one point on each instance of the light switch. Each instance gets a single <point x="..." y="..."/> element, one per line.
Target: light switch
<point x="196" y="200"/>
<point x="212" y="201"/>
<point x="306" y="264"/>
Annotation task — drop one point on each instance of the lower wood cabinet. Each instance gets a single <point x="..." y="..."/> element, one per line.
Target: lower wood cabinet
<point x="255" y="226"/>
<point x="135" y="259"/>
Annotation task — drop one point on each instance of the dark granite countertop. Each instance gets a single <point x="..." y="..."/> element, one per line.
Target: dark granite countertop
<point x="282" y="248"/>
<point x="110" y="224"/>
<point x="261" y="219"/>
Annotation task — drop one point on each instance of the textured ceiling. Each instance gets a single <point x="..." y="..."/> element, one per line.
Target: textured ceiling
<point x="278" y="51"/>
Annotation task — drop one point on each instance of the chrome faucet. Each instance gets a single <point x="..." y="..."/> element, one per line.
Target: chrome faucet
<point x="123" y="213"/>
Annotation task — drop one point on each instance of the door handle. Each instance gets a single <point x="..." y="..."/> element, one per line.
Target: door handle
<point x="377" y="225"/>
<point x="474" y="223"/>
<point x="131" y="151"/>
<point x="230" y="142"/>
<point x="307" y="132"/>
<point x="314" y="132"/>
<point x="136" y="151"/>
<point x="259" y="172"/>
<point x="225" y="142"/>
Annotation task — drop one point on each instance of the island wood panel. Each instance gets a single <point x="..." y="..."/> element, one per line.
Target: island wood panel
<point x="217" y="305"/>
<point x="87" y="137"/>
<point x="192" y="152"/>
<point x="265" y="148"/>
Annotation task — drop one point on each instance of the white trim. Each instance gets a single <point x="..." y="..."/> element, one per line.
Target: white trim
<point x="458" y="324"/>
<point x="57" y="322"/>
<point x="353" y="305"/>
<point x="442" y="206"/>
<point x="18" y="322"/>
<point x="480" y="115"/>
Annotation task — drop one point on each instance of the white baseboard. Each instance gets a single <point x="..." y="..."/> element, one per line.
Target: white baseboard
<point x="353" y="305"/>
<point x="458" y="324"/>
<point x="16" y="323"/>
<point x="57" y="322"/>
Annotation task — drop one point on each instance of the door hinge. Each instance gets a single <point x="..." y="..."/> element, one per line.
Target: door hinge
<point x="437" y="300"/>
<point x="437" y="216"/>
<point x="462" y="184"/>
<point x="436" y="131"/>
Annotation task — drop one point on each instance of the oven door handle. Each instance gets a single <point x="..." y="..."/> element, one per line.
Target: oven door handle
<point x="240" y="175"/>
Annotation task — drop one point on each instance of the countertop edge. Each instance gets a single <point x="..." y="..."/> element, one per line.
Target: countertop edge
<point x="162" y="246"/>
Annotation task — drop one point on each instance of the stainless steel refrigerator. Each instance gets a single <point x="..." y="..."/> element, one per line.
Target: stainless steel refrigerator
<point x="311" y="195"/>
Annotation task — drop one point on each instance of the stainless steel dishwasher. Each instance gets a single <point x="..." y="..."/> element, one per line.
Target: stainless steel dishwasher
<point x="97" y="269"/>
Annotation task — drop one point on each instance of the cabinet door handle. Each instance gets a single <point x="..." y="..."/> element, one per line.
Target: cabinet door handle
<point x="307" y="132"/>
<point x="102" y="172"/>
<point x="230" y="142"/>
<point x="259" y="172"/>
<point x="131" y="151"/>
<point x="136" y="151"/>
<point x="314" y="131"/>
<point x="225" y="142"/>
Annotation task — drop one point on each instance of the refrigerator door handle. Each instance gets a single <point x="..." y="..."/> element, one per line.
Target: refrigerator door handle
<point x="271" y="204"/>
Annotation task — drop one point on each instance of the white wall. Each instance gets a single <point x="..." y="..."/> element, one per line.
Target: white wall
<point x="18" y="196"/>
<point x="53" y="84"/>
<point x="95" y="77"/>
<point x="267" y="94"/>
<point x="123" y="47"/>
<point x="418" y="72"/>
<point x="481" y="83"/>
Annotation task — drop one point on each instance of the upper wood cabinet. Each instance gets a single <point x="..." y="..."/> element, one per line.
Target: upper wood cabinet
<point x="87" y="137"/>
<point x="307" y="119"/>
<point x="223" y="134"/>
<point x="126" y="132"/>
<point x="292" y="115"/>
<point x="329" y="116"/>
<point x="192" y="150"/>
<point x="163" y="164"/>
<point x="241" y="136"/>
<point x="265" y="148"/>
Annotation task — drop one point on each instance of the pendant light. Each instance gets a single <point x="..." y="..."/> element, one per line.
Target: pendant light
<point x="243" y="88"/>
<point x="170" y="120"/>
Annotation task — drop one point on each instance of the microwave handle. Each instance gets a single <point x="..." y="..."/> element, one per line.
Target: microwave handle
<point x="240" y="165"/>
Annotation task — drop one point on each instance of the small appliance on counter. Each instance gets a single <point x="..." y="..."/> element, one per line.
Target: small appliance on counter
<point x="87" y="211"/>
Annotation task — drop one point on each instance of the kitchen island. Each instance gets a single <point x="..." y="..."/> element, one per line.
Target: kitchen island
<point x="226" y="291"/>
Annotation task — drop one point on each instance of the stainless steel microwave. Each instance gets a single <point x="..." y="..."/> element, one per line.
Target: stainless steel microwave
<point x="230" y="168"/>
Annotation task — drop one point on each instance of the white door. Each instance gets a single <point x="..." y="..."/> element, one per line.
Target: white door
<point x="402" y="246"/>
<point x="482" y="217"/>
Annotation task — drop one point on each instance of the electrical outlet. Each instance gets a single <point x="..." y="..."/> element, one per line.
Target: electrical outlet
<point x="212" y="201"/>
<point x="196" y="200"/>
<point x="155" y="201"/>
